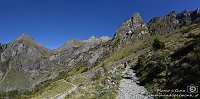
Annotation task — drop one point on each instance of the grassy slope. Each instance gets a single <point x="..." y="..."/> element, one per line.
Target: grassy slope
<point x="53" y="90"/>
<point x="92" y="89"/>
<point x="124" y="52"/>
<point x="14" y="79"/>
<point x="174" y="42"/>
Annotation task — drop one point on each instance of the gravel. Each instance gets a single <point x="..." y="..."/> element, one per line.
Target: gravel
<point x="129" y="89"/>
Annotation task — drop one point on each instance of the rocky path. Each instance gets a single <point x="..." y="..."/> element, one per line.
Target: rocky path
<point x="67" y="92"/>
<point x="129" y="89"/>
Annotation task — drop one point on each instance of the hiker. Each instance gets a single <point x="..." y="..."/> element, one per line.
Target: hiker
<point x="126" y="65"/>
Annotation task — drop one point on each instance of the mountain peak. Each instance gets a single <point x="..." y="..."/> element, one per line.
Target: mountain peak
<point x="197" y="11"/>
<point x="137" y="20"/>
<point x="28" y="40"/>
<point x="172" y="13"/>
<point x="92" y="37"/>
<point x="132" y="29"/>
<point x="25" y="37"/>
<point x="136" y="14"/>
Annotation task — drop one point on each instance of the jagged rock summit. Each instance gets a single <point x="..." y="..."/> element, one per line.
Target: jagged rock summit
<point x="173" y="21"/>
<point x="131" y="30"/>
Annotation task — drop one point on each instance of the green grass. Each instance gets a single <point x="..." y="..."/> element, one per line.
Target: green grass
<point x="76" y="80"/>
<point x="124" y="52"/>
<point x="14" y="79"/>
<point x="53" y="89"/>
<point x="89" y="91"/>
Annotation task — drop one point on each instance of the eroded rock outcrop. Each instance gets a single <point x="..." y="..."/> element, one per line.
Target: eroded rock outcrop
<point x="131" y="30"/>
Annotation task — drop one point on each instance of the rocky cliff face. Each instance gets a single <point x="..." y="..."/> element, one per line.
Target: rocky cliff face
<point x="132" y="30"/>
<point x="20" y="56"/>
<point x="3" y="47"/>
<point x="75" y="51"/>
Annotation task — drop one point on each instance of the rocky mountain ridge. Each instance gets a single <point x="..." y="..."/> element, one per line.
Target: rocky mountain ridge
<point x="172" y="21"/>
<point x="91" y="42"/>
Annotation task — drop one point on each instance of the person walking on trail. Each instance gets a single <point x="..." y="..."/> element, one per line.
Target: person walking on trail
<point x="126" y="65"/>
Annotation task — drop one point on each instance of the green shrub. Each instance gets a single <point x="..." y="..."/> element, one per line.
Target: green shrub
<point x="105" y="70"/>
<point x="61" y="75"/>
<point x="84" y="70"/>
<point x="15" y="94"/>
<point x="157" y="44"/>
<point x="96" y="76"/>
<point x="140" y="63"/>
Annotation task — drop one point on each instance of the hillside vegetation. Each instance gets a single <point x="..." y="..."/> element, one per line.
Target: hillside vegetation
<point x="174" y="67"/>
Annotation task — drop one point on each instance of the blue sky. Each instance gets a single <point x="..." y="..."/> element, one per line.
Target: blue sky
<point x="53" y="22"/>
